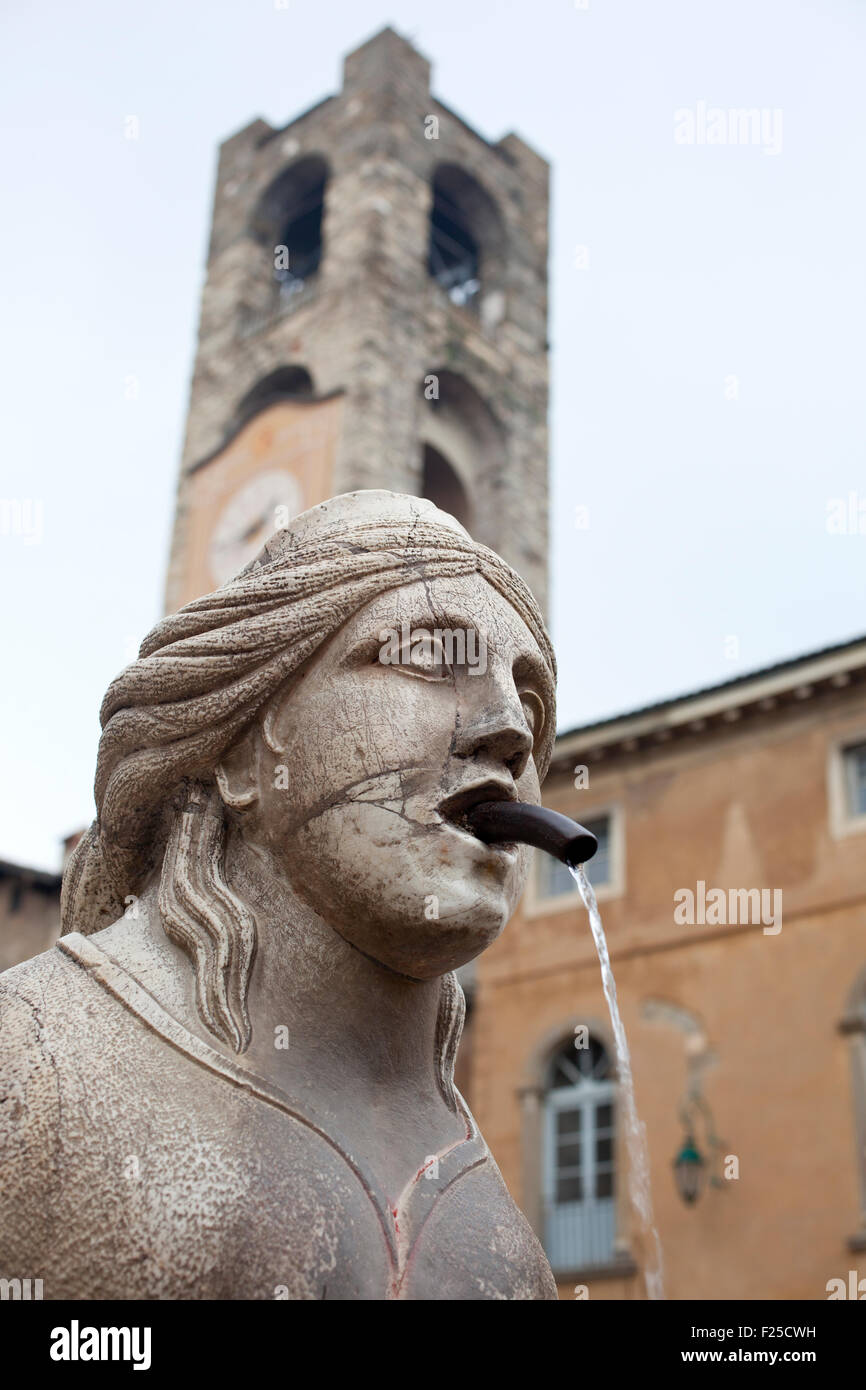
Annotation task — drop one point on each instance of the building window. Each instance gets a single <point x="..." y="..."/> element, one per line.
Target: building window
<point x="553" y="879"/>
<point x="853" y="1025"/>
<point x="579" y="1166"/>
<point x="846" y="786"/>
<point x="855" y="779"/>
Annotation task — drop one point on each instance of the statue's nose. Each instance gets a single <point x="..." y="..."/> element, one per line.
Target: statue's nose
<point x="494" y="728"/>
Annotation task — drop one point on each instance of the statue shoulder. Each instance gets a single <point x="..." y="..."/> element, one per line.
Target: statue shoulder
<point x="31" y="997"/>
<point x="22" y="990"/>
<point x="34" y="998"/>
<point x="47" y="1007"/>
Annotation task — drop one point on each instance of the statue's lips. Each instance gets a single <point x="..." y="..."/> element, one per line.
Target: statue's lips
<point x="454" y="809"/>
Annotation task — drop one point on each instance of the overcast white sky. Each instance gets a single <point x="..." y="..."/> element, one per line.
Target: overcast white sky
<point x="707" y="515"/>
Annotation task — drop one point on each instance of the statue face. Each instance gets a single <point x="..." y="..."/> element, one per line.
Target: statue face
<point x="362" y="769"/>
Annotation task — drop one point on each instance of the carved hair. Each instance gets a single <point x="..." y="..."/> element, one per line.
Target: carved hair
<point x="449" y="1027"/>
<point x="202" y="677"/>
<point x="201" y="914"/>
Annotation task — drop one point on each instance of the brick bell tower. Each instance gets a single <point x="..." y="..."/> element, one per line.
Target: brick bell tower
<point x="374" y="316"/>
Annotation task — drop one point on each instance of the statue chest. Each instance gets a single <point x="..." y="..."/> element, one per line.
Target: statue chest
<point x="267" y="1208"/>
<point x="174" y="1174"/>
<point x="224" y="1196"/>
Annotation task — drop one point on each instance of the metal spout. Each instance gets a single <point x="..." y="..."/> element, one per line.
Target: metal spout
<point x="501" y="822"/>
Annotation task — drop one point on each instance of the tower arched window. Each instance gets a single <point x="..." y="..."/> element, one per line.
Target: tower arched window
<point x="462" y="453"/>
<point x="466" y="236"/>
<point x="285" y="384"/>
<point x="441" y="485"/>
<point x="288" y="222"/>
<point x="579" y="1157"/>
<point x="454" y="260"/>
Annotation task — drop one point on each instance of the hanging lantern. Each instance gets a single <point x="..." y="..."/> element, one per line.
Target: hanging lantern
<point x="689" y="1171"/>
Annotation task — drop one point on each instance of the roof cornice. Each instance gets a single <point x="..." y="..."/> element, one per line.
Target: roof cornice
<point x="706" y="712"/>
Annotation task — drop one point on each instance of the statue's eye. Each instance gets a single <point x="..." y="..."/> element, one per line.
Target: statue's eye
<point x="425" y="656"/>
<point x="418" y="652"/>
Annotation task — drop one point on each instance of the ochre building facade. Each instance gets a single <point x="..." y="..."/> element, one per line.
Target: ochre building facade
<point x="748" y="1034"/>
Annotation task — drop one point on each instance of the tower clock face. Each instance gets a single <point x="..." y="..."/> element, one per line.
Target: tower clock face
<point x="252" y="514"/>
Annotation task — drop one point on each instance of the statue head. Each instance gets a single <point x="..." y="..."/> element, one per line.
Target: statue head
<point x="338" y="707"/>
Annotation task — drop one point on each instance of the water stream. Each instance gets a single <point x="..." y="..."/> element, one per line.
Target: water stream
<point x="635" y="1130"/>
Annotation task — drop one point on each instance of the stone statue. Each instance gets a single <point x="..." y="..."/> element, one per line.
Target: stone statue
<point x="233" y="1076"/>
